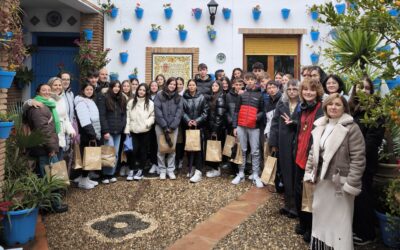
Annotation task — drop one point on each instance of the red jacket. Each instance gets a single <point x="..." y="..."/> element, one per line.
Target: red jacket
<point x="249" y="110"/>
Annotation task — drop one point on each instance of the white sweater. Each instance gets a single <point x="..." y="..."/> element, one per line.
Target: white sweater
<point x="65" y="123"/>
<point x="139" y="119"/>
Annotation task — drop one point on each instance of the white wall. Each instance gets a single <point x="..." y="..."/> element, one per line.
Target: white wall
<point x="228" y="40"/>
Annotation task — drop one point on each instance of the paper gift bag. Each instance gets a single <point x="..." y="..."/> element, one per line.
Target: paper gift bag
<point x="307" y="199"/>
<point x="58" y="170"/>
<point x="266" y="150"/>
<point x="239" y="155"/>
<point x="124" y="157"/>
<point x="193" y="142"/>
<point x="108" y="156"/>
<point x="92" y="158"/>
<point x="269" y="172"/>
<point x="163" y="146"/>
<point x="77" y="164"/>
<point x="229" y="143"/>
<point x="214" y="151"/>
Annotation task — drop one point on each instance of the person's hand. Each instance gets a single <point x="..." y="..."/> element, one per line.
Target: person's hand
<point x="73" y="134"/>
<point x="235" y="132"/>
<point x="36" y="104"/>
<point x="168" y="140"/>
<point x="194" y="123"/>
<point x="106" y="136"/>
<point x="274" y="149"/>
<point x="286" y="119"/>
<point x="240" y="92"/>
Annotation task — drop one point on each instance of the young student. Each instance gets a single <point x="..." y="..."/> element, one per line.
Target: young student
<point x="160" y="79"/>
<point x="279" y="77"/>
<point x="153" y="148"/>
<point x="247" y="122"/>
<point x="127" y="93"/>
<point x="334" y="84"/>
<point x="139" y="121"/>
<point x="219" y="74"/>
<point x="134" y="85"/>
<point x="258" y="71"/>
<point x="285" y="79"/>
<point x="237" y="73"/>
<point x="127" y="90"/>
<point x="226" y="85"/>
<point x="204" y="81"/>
<point x="180" y="143"/>
<point x="265" y="78"/>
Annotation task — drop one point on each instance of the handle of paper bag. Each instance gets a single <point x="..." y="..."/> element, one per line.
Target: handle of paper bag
<point x="214" y="136"/>
<point x="92" y="142"/>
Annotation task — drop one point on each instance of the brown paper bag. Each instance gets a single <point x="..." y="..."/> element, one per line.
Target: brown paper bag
<point x="92" y="158"/>
<point x="239" y="155"/>
<point x="108" y="156"/>
<point x="163" y="146"/>
<point x="307" y="199"/>
<point x="124" y="157"/>
<point x="214" y="151"/>
<point x="269" y="172"/>
<point x="266" y="150"/>
<point x="59" y="170"/>
<point x="193" y="142"/>
<point x="229" y="143"/>
<point x="77" y="164"/>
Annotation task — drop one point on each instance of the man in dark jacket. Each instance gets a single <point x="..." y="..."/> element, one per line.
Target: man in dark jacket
<point x="203" y="81"/>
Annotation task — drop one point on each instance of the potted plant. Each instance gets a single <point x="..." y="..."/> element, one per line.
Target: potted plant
<point x="126" y="33"/>
<point x="23" y="76"/>
<point x="285" y="13"/>
<point x="154" y="31"/>
<point x="123" y="57"/>
<point x="314" y="58"/>
<point x="182" y="32"/>
<point x="340" y="8"/>
<point x="227" y="13"/>
<point x="6" y="78"/>
<point x="88" y="34"/>
<point x="113" y="76"/>
<point x="139" y="11"/>
<point x="196" y="12"/>
<point x="256" y="12"/>
<point x="168" y="10"/>
<point x="134" y="74"/>
<point x="313" y="10"/>
<point x="6" y="124"/>
<point x="109" y="9"/>
<point x="314" y="33"/>
<point x="212" y="33"/>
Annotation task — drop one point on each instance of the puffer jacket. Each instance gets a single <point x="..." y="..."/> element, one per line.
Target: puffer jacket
<point x="168" y="109"/>
<point x="231" y="101"/>
<point x="112" y="121"/>
<point x="65" y="123"/>
<point x="216" y="114"/>
<point x="204" y="86"/>
<point x="249" y="110"/>
<point x="139" y="119"/>
<point x="88" y="118"/>
<point x="194" y="108"/>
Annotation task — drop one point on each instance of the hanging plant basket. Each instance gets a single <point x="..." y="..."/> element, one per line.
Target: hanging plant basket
<point x="182" y="35"/>
<point x="123" y="57"/>
<point x="126" y="34"/>
<point x="227" y="13"/>
<point x="154" y="35"/>
<point x="168" y="13"/>
<point x="285" y="13"/>
<point x="340" y="8"/>
<point x="256" y="15"/>
<point x="6" y="78"/>
<point x="139" y="13"/>
<point x="114" y="13"/>
<point x="314" y="35"/>
<point x="19" y="226"/>
<point x="88" y="34"/>
<point x="314" y="15"/>
<point x="314" y="58"/>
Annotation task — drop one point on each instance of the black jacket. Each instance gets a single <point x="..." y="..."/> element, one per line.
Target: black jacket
<point x="216" y="114"/>
<point x="168" y="109"/>
<point x="112" y="121"/>
<point x="231" y="100"/>
<point x="194" y="108"/>
<point x="251" y="98"/>
<point x="204" y="86"/>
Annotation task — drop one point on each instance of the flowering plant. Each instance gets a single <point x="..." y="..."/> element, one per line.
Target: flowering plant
<point x="107" y="7"/>
<point x="167" y="6"/>
<point x="137" y="5"/>
<point x="155" y="27"/>
<point x="135" y="71"/>
<point x="180" y="27"/>
<point x="257" y="8"/>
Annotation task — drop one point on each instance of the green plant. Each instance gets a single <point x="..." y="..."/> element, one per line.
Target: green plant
<point x="124" y="30"/>
<point x="135" y="71"/>
<point x="314" y="29"/>
<point x="155" y="27"/>
<point x="210" y="28"/>
<point x="180" y="27"/>
<point x="4" y="117"/>
<point x="24" y="75"/>
<point x="257" y="8"/>
<point x="392" y="202"/>
<point x="313" y="7"/>
<point x="107" y="7"/>
<point x="167" y="6"/>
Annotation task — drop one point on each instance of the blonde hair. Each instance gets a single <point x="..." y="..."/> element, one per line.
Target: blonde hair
<point x="314" y="85"/>
<point x="331" y="98"/>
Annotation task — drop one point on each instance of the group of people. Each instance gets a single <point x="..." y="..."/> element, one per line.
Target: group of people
<point x="312" y="127"/>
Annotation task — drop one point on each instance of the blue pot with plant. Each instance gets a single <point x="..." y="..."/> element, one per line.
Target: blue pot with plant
<point x="168" y="11"/>
<point x="88" y="34"/>
<point x="340" y="8"/>
<point x="6" y="78"/>
<point x="285" y="13"/>
<point x="114" y="12"/>
<point x="5" y="126"/>
<point x="227" y="13"/>
<point x="132" y="76"/>
<point x="212" y="33"/>
<point x="126" y="33"/>
<point x="139" y="11"/>
<point x="154" y="32"/>
<point x="314" y="58"/>
<point x="314" y="15"/>
<point x="114" y="76"/>
<point x="19" y="226"/>
<point x="314" y="35"/>
<point x="393" y="12"/>
<point x="183" y="35"/>
<point x="256" y="12"/>
<point x="197" y="13"/>
<point x="123" y="57"/>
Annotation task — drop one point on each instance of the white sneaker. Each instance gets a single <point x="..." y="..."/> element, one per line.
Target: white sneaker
<point x="85" y="183"/>
<point x="138" y="175"/>
<point x="171" y="175"/>
<point x="257" y="181"/>
<point x="95" y="183"/>
<point x="238" y="179"/>
<point x="163" y="176"/>
<point x="213" y="173"/>
<point x="123" y="171"/>
<point x="180" y="165"/>
<point x="77" y="179"/>
<point x="153" y="169"/>
<point x="196" y="177"/>
<point x="251" y="177"/>
<point x="113" y="180"/>
<point x="93" y="175"/>
<point x="105" y="181"/>
<point x="130" y="175"/>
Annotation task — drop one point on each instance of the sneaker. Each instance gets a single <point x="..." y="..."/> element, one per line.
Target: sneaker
<point x="95" y="183"/>
<point x="251" y="177"/>
<point x="113" y="180"/>
<point x="196" y="177"/>
<point x="238" y="179"/>
<point x="153" y="169"/>
<point x="123" y="171"/>
<point x="105" y="181"/>
<point x="93" y="175"/>
<point x="85" y="183"/>
<point x="138" y="175"/>
<point x="360" y="241"/>
<point x="307" y="236"/>
<point x="213" y="173"/>
<point x="77" y="179"/>
<point x="257" y="181"/>
<point x="163" y="176"/>
<point x="171" y="175"/>
<point x="130" y="175"/>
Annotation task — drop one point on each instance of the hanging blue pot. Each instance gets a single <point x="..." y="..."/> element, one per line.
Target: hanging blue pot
<point x="197" y="14"/>
<point x="393" y="12"/>
<point x="314" y="58"/>
<point x="154" y="35"/>
<point x="114" y="12"/>
<point x="132" y="76"/>
<point x="123" y="57"/>
<point x="227" y="13"/>
<point x="8" y="35"/>
<point x="168" y="13"/>
<point x="314" y="15"/>
<point x="393" y="83"/>
<point x="212" y="35"/>
<point x="182" y="35"/>
<point x="6" y="78"/>
<point x="285" y="13"/>
<point x="256" y="14"/>
<point x="114" y="77"/>
<point x="314" y="35"/>
<point x="88" y="34"/>
<point x="139" y="12"/>
<point x="390" y="236"/>
<point x="340" y="8"/>
<point x="19" y="226"/>
<point x="126" y="34"/>
<point x="5" y="129"/>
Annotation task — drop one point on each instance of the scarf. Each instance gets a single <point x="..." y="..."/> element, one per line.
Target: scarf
<point x="52" y="106"/>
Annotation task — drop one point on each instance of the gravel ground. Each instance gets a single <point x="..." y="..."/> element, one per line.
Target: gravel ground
<point x="177" y="206"/>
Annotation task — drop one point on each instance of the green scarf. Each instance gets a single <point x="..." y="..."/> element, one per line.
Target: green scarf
<point x="52" y="106"/>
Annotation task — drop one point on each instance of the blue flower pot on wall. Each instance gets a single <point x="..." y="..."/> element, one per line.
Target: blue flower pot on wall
<point x="393" y="83"/>
<point x="123" y="57"/>
<point x="256" y="15"/>
<point x="314" y="35"/>
<point x="390" y="236"/>
<point x="314" y="58"/>
<point x="340" y="8"/>
<point x="182" y="35"/>
<point x="19" y="226"/>
<point x="285" y="13"/>
<point x="197" y="14"/>
<point x="7" y="35"/>
<point x="88" y="34"/>
<point x="132" y="76"/>
<point x="114" y="12"/>
<point x="393" y="12"/>
<point x="227" y="13"/>
<point x="5" y="129"/>
<point x="154" y="35"/>
<point x="6" y="78"/>
<point x="212" y="35"/>
<point x="126" y="35"/>
<point x="113" y="77"/>
<point x="168" y="13"/>
<point x="314" y="15"/>
<point x="139" y="13"/>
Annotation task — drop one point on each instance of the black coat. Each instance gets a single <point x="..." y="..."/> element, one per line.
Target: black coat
<point x="195" y="108"/>
<point x="204" y="86"/>
<point x="112" y="121"/>
<point x="168" y="109"/>
<point x="216" y="114"/>
<point x="231" y="100"/>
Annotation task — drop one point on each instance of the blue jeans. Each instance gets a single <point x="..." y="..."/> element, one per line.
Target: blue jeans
<point x="113" y="141"/>
<point x="43" y="161"/>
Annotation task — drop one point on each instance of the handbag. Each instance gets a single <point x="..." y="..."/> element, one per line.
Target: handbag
<point x="128" y="143"/>
<point x="163" y="146"/>
<point x="214" y="150"/>
<point x="108" y="156"/>
<point x="238" y="153"/>
<point x="307" y="198"/>
<point x="92" y="157"/>
<point x="58" y="170"/>
<point x="193" y="142"/>
<point x="269" y="172"/>
<point x="230" y="141"/>
<point x="77" y="163"/>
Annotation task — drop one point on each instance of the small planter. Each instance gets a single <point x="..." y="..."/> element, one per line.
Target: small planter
<point x="5" y="129"/>
<point x="227" y="13"/>
<point x="314" y="15"/>
<point x="314" y="35"/>
<point x="139" y="13"/>
<point x="256" y="15"/>
<point x="19" y="226"/>
<point x="212" y="35"/>
<point x="123" y="57"/>
<point x="168" y="13"/>
<point x="390" y="236"/>
<point x="114" y="13"/>
<point x="88" y="34"/>
<point x="126" y="34"/>
<point x="113" y="77"/>
<point x="154" y="35"/>
<point x="6" y="78"/>
<point x="340" y="8"/>
<point x="132" y="76"/>
<point x="285" y="13"/>
<point x="197" y="14"/>
<point x="182" y="35"/>
<point x="314" y="58"/>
